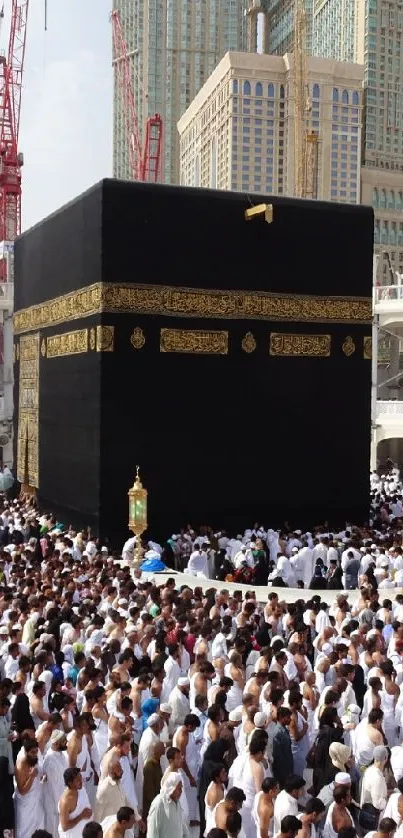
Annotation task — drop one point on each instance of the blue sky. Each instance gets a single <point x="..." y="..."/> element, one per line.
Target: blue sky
<point x="66" y="115"/>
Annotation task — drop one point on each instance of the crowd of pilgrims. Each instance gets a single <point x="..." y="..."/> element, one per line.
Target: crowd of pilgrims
<point x="133" y="706"/>
<point x="319" y="560"/>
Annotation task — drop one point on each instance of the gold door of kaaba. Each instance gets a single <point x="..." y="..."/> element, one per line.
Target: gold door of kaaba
<point x="28" y="415"/>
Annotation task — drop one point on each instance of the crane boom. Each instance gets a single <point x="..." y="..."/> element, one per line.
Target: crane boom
<point x="11" y="71"/>
<point x="16" y="56"/>
<point x="144" y="163"/>
<point x="122" y="65"/>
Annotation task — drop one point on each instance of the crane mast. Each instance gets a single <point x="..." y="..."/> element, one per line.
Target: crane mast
<point x="144" y="162"/>
<point x="11" y="71"/>
<point x="305" y="141"/>
<point x="11" y="161"/>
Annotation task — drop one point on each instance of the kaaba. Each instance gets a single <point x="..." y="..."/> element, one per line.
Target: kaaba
<point x="228" y="357"/>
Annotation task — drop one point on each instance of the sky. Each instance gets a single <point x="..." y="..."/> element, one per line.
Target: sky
<point x="66" y="113"/>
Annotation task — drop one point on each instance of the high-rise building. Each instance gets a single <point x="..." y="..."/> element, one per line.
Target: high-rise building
<point x="338" y="29"/>
<point x="174" y="45"/>
<point x="279" y="27"/>
<point x="371" y="33"/>
<point x="238" y="133"/>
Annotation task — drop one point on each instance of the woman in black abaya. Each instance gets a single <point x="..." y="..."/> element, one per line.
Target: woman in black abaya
<point x="6" y="797"/>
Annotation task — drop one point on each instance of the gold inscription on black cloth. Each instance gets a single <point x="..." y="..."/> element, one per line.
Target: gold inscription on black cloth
<point x="368" y="348"/>
<point x="137" y="338"/>
<point x="231" y="304"/>
<point x="248" y="343"/>
<point x="72" y="306"/>
<point x="105" y="338"/>
<point x="196" y="341"/>
<point x="311" y="346"/>
<point x="28" y="411"/>
<point x="348" y="346"/>
<point x="70" y="343"/>
<point x="192" y="302"/>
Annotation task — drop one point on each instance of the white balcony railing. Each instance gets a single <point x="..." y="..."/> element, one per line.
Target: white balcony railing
<point x="386" y="293"/>
<point x="389" y="411"/>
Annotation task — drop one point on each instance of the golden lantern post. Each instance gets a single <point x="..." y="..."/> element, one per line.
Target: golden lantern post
<point x="137" y="514"/>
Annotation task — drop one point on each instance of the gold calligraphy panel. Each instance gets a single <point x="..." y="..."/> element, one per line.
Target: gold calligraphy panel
<point x="69" y="343"/>
<point x="195" y="341"/>
<point x="71" y="306"/>
<point x="28" y="411"/>
<point x="105" y="338"/>
<point x="187" y="302"/>
<point x="192" y="302"/>
<point x="311" y="346"/>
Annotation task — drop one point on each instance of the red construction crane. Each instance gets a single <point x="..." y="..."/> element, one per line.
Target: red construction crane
<point x="11" y="70"/>
<point x="145" y="162"/>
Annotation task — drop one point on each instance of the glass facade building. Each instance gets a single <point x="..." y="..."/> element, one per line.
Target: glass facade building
<point x="174" y="46"/>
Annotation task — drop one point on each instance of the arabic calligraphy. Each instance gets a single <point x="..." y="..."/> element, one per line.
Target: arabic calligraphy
<point x="105" y="338"/>
<point x="191" y="302"/>
<point x="28" y="411"/>
<point x="196" y="341"/>
<point x="69" y="343"/>
<point x="317" y="346"/>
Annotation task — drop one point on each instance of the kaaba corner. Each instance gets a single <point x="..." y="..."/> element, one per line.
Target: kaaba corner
<point x="226" y="352"/>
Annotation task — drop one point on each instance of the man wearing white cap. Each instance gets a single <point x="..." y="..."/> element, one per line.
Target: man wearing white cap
<point x="326" y="793"/>
<point x="179" y="702"/>
<point x="165" y="713"/>
<point x="235" y="719"/>
<point x="54" y="766"/>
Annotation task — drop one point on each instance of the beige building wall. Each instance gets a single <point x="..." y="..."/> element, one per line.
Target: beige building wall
<point x="238" y="133"/>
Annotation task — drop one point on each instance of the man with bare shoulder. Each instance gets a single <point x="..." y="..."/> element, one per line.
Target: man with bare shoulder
<point x="77" y="749"/>
<point x="231" y="803"/>
<point x="124" y="820"/>
<point x="29" y="815"/>
<point x="74" y="806"/>
<point x="264" y="806"/>
<point x="313" y="813"/>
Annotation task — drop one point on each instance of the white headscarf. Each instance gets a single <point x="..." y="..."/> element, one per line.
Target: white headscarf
<point x="68" y="652"/>
<point x="171" y="783"/>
